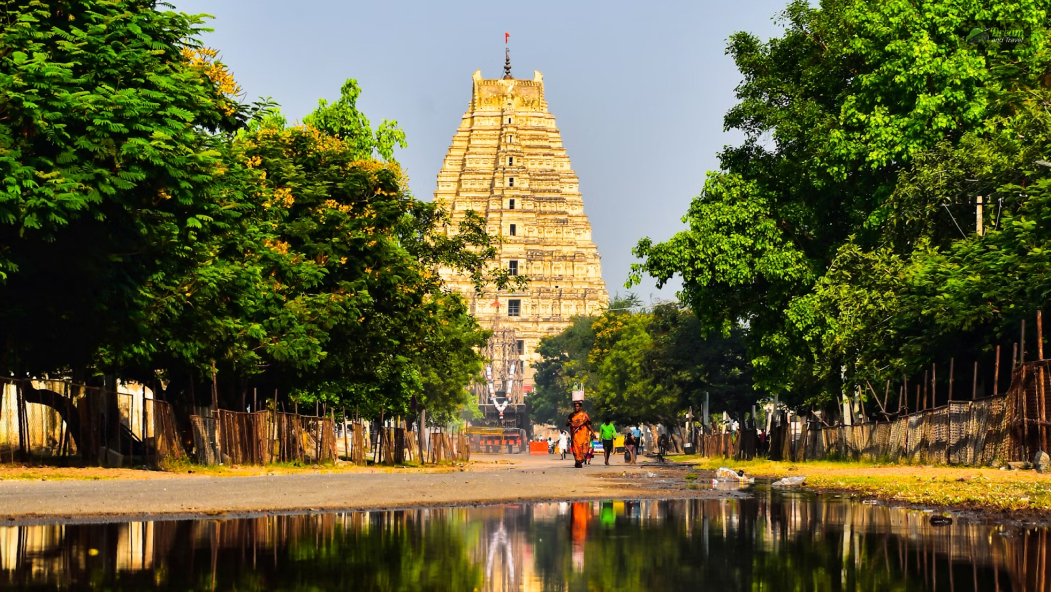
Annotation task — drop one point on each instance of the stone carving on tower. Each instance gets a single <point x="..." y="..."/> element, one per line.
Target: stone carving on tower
<point x="507" y="163"/>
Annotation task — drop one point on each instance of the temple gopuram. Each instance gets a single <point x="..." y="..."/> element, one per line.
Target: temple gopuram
<point x="507" y="163"/>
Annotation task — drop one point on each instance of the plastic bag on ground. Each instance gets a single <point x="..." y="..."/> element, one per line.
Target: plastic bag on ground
<point x="731" y="476"/>
<point x="789" y="481"/>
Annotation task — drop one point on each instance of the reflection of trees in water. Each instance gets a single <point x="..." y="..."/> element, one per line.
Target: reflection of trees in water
<point x="787" y="542"/>
<point x="398" y="550"/>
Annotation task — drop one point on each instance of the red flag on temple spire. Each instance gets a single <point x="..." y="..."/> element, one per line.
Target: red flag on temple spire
<point x="506" y="36"/>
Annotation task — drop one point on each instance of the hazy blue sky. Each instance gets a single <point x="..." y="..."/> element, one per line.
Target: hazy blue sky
<point x="638" y="89"/>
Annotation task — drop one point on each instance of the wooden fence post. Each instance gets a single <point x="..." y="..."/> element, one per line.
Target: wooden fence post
<point x="925" y="388"/>
<point x="974" y="388"/>
<point x="934" y="386"/>
<point x="215" y="391"/>
<point x="996" y="375"/>
<point x="1039" y="335"/>
<point x="952" y="371"/>
<point x="1040" y="381"/>
<point x="23" y="435"/>
<point x="1025" y="415"/>
<point x="379" y="440"/>
<point x="145" y="425"/>
<point x="346" y="440"/>
<point x="1021" y="349"/>
<point x="421" y="429"/>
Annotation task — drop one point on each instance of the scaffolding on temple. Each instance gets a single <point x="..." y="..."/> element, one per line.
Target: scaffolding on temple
<point x="498" y="389"/>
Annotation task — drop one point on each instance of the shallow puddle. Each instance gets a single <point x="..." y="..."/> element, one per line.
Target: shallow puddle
<point x="772" y="541"/>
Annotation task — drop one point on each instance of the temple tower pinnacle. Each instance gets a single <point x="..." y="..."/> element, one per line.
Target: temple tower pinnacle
<point x="508" y="164"/>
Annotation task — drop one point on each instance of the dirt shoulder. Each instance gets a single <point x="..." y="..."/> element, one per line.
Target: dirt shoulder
<point x="18" y="472"/>
<point x="992" y="493"/>
<point x="156" y="495"/>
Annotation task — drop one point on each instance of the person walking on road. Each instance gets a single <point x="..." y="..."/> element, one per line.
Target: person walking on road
<point x="580" y="433"/>
<point x="630" y="448"/>
<point x="563" y="443"/>
<point x="606" y="432"/>
<point x="662" y="447"/>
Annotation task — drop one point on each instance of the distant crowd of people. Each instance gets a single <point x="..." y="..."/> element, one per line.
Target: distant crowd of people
<point x="581" y="440"/>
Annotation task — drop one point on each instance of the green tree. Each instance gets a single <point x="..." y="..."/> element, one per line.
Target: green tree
<point x="834" y="113"/>
<point x="380" y="298"/>
<point x="449" y="359"/>
<point x="326" y="290"/>
<point x="933" y="297"/>
<point x="563" y="365"/>
<point x="342" y="120"/>
<point x="157" y="225"/>
<point x="641" y="367"/>
<point x="625" y="389"/>
<point x="109" y="165"/>
<point x="691" y="365"/>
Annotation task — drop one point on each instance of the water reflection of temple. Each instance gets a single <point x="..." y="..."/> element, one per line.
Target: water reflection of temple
<point x="784" y="542"/>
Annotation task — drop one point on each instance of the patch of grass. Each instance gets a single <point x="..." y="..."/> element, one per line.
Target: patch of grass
<point x="186" y="466"/>
<point x="175" y="465"/>
<point x="762" y="466"/>
<point x="691" y="476"/>
<point x="1022" y="493"/>
<point x="50" y="475"/>
<point x="973" y="487"/>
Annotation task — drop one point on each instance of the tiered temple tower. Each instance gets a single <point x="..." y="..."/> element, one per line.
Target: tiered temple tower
<point x="507" y="163"/>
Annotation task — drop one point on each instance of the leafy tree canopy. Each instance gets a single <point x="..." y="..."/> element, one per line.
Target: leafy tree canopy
<point x="153" y="226"/>
<point x="342" y="120"/>
<point x="110" y="163"/>
<point x="846" y="117"/>
<point x="641" y="367"/>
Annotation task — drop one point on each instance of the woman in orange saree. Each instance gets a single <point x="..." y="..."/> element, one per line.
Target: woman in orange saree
<point x="580" y="433"/>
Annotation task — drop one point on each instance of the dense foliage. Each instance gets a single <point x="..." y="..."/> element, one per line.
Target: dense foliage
<point x="109" y="153"/>
<point x="842" y="231"/>
<point x="641" y="367"/>
<point x="153" y="226"/>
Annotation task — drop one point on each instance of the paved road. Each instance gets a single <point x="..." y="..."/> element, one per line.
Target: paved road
<point x="490" y="480"/>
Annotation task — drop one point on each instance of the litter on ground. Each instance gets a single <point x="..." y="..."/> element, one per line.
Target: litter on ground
<point x="726" y="475"/>
<point x="789" y="481"/>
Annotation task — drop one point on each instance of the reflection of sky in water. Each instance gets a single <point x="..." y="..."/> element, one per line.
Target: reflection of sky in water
<point x="780" y="541"/>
